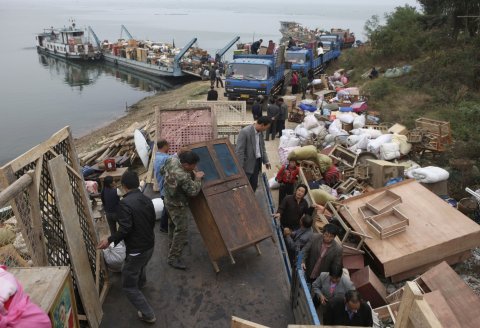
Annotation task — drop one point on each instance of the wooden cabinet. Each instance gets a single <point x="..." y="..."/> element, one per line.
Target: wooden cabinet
<point x="226" y="211"/>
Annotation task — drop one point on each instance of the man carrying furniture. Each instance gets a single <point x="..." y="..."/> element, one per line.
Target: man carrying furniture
<point x="180" y="183"/>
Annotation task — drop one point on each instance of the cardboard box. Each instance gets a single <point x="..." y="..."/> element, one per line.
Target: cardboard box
<point x="382" y="171"/>
<point x="398" y="129"/>
<point x="439" y="188"/>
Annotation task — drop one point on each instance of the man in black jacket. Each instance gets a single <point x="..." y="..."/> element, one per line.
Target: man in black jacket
<point x="136" y="219"/>
<point x="273" y="111"/>
<point x="212" y="94"/>
<point x="351" y="312"/>
<point x="255" y="46"/>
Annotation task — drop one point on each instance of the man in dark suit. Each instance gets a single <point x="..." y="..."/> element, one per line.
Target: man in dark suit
<point x="250" y="149"/>
<point x="351" y="312"/>
<point x="212" y="94"/>
<point x="321" y="253"/>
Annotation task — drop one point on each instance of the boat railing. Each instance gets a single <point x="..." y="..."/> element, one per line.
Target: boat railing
<point x="300" y="298"/>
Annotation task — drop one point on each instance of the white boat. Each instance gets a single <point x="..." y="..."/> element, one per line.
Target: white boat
<point x="68" y="42"/>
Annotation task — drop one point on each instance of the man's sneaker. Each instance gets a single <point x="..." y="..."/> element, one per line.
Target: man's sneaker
<point x="163" y="230"/>
<point x="145" y="319"/>
<point x="177" y="264"/>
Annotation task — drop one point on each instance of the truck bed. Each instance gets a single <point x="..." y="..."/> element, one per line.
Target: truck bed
<point x="255" y="288"/>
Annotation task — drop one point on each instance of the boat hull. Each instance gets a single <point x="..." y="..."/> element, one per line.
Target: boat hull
<point x="145" y="68"/>
<point x="68" y="56"/>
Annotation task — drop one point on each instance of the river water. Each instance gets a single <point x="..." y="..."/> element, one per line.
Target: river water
<point x="40" y="95"/>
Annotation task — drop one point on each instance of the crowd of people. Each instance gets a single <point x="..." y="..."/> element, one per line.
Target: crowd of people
<point x="318" y="254"/>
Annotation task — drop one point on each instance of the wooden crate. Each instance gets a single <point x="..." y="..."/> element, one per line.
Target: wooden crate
<point x="414" y="136"/>
<point x="384" y="202"/>
<point x="365" y="212"/>
<point x="347" y="186"/>
<point x="344" y="155"/>
<point x="439" y="128"/>
<point x="382" y="171"/>
<point x="388" y="223"/>
<point x="51" y="289"/>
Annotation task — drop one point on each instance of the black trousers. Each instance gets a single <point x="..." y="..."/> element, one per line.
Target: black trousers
<point x="219" y="80"/>
<point x="272" y="130"/>
<point x="253" y="178"/>
<point x="280" y="127"/>
<point x="164" y="218"/>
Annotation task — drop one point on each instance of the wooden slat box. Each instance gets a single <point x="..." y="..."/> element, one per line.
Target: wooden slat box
<point x="51" y="289"/>
<point x="388" y="223"/>
<point x="384" y="202"/>
<point x="365" y="212"/>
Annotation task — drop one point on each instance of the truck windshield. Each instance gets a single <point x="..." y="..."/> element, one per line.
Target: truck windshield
<point x="248" y="71"/>
<point x="295" y="57"/>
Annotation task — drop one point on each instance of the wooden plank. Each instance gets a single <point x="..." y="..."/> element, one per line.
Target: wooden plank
<point x="15" y="189"/>
<point x="242" y="323"/>
<point x="441" y="309"/>
<point x="422" y="316"/>
<point x="410" y="295"/>
<point x="74" y="239"/>
<point x="430" y="236"/>
<point x="456" y="292"/>
<point x="457" y="258"/>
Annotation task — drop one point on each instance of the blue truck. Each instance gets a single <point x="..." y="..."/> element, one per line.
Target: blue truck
<point x="250" y="76"/>
<point x="302" y="60"/>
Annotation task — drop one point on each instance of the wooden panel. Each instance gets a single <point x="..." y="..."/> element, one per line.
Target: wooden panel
<point x="241" y="323"/>
<point x="75" y="242"/>
<point x="207" y="227"/>
<point x="461" y="299"/>
<point x="371" y="288"/>
<point x="441" y="309"/>
<point x="435" y="232"/>
<point x="242" y="223"/>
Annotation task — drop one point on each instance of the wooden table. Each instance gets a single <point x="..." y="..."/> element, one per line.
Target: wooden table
<point x="436" y="232"/>
<point x="117" y="174"/>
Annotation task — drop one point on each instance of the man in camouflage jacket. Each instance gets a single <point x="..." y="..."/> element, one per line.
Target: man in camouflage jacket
<point x="180" y="183"/>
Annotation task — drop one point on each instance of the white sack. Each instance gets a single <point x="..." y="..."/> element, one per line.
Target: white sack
<point x="429" y="174"/>
<point x="374" y="145"/>
<point x="284" y="151"/>
<point x="335" y="128"/>
<point x="115" y="256"/>
<point x="402" y="141"/>
<point x="288" y="133"/>
<point x="352" y="140"/>
<point x="359" y="122"/>
<point x="302" y="132"/>
<point x="372" y="133"/>
<point x="158" y="205"/>
<point x="273" y="184"/>
<point x="345" y="118"/>
<point x="389" y="151"/>
<point x="310" y="122"/>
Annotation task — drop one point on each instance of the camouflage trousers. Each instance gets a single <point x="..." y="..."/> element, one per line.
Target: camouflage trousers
<point x="177" y="230"/>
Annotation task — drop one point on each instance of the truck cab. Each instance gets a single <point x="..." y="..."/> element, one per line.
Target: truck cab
<point x="249" y="76"/>
<point x="301" y="60"/>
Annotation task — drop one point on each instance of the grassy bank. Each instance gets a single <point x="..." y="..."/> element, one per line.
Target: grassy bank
<point x="444" y="83"/>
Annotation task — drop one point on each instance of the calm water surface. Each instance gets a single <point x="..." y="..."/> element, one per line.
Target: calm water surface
<point x="40" y="95"/>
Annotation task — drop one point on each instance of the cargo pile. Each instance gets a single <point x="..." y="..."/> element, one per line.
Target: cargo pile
<point x="117" y="144"/>
<point x="156" y="53"/>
